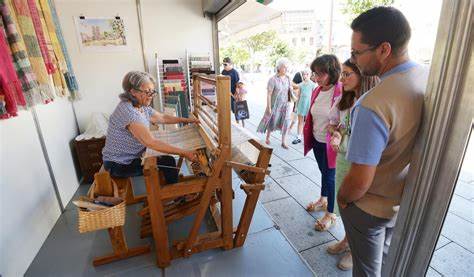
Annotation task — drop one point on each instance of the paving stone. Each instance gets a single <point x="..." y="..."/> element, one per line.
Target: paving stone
<point x="442" y="241"/>
<point x="338" y="230"/>
<point x="453" y="260"/>
<point x="462" y="208"/>
<point x="260" y="219"/>
<point x="272" y="191"/>
<point x="305" y="191"/>
<point x="466" y="176"/>
<point x="300" y="188"/>
<point x="465" y="190"/>
<point x="276" y="135"/>
<point x="274" y="159"/>
<point x="323" y="263"/>
<point x="432" y="273"/>
<point x="296" y="224"/>
<point x="280" y="168"/>
<point x="308" y="168"/>
<point x="459" y="230"/>
<point x="285" y="154"/>
<point x="298" y="147"/>
<point x="254" y="121"/>
<point x="253" y="129"/>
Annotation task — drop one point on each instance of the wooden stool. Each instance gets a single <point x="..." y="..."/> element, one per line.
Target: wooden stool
<point x="126" y="191"/>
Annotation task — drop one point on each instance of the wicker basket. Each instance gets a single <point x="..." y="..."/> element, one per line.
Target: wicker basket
<point x="102" y="219"/>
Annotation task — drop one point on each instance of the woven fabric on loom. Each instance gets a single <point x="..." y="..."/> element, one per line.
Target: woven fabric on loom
<point x="32" y="47"/>
<point x="20" y="56"/>
<point x="10" y="85"/>
<point x="69" y="75"/>
<point x="188" y="137"/>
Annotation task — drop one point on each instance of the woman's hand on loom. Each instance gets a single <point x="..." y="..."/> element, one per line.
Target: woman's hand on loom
<point x="191" y="120"/>
<point x="190" y="155"/>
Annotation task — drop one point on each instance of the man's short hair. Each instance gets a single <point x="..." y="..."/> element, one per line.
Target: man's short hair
<point x="383" y="24"/>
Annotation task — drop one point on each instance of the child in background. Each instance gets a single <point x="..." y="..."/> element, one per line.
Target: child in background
<point x="241" y="92"/>
<point x="305" y="90"/>
<point x="240" y="95"/>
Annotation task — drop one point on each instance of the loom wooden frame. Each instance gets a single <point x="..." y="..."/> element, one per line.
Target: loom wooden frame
<point x="213" y="189"/>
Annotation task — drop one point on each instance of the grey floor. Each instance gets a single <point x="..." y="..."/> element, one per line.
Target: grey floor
<point x="266" y="252"/>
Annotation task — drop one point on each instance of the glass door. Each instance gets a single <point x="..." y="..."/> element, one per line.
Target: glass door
<point x="434" y="231"/>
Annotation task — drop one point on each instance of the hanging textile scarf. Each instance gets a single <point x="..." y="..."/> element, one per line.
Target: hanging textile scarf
<point x="62" y="66"/>
<point x="20" y="56"/>
<point x="58" y="78"/>
<point x="31" y="42"/>
<point x="70" y="76"/>
<point x="10" y="85"/>
<point x="56" y="53"/>
<point x="35" y="18"/>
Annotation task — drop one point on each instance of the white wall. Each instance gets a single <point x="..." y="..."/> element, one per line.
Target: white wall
<point x="170" y="26"/>
<point x="28" y="206"/>
<point x="59" y="128"/>
<point x="100" y="74"/>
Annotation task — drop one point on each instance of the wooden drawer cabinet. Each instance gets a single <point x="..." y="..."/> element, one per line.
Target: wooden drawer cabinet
<point x="89" y="154"/>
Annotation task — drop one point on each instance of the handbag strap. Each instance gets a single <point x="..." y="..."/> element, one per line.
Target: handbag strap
<point x="348" y="123"/>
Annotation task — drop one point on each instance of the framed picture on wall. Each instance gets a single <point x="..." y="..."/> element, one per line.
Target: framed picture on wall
<point x="101" y="34"/>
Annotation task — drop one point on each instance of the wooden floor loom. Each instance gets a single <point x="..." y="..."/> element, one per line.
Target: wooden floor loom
<point x="210" y="188"/>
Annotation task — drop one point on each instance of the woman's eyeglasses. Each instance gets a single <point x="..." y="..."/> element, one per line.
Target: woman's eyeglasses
<point x="346" y="74"/>
<point x="317" y="74"/>
<point x="149" y="93"/>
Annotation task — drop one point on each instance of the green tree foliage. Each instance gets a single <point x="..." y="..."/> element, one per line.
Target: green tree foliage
<point x="260" y="42"/>
<point x="278" y="50"/>
<point x="352" y="8"/>
<point x="261" y="49"/>
<point x="236" y="52"/>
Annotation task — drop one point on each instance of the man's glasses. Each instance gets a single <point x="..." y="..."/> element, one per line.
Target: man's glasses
<point x="356" y="53"/>
<point x="150" y="93"/>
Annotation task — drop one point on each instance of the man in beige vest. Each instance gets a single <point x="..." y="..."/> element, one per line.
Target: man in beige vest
<point x="385" y="122"/>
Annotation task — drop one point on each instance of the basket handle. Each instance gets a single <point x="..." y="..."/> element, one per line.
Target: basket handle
<point x="91" y="192"/>
<point x="115" y="187"/>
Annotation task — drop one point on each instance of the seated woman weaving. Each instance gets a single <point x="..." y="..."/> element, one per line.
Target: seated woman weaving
<point x="128" y="133"/>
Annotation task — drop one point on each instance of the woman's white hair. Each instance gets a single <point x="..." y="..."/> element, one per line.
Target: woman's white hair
<point x="282" y="62"/>
<point x="134" y="80"/>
